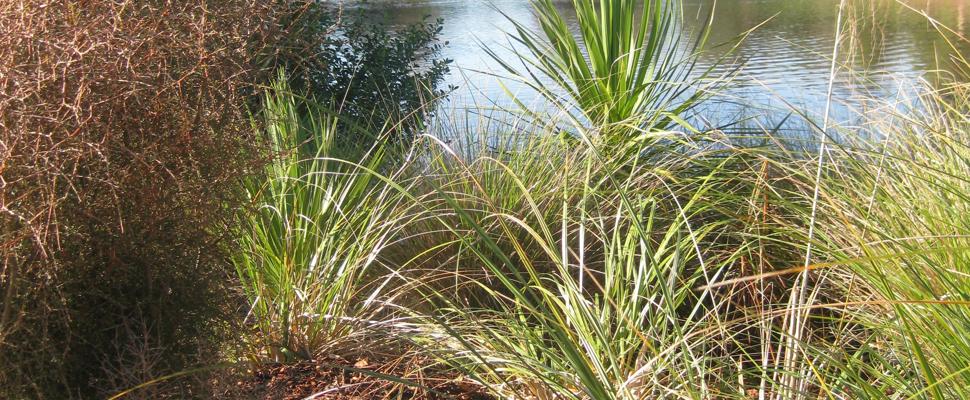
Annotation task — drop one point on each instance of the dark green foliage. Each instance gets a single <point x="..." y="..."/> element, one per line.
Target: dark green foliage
<point x="377" y="78"/>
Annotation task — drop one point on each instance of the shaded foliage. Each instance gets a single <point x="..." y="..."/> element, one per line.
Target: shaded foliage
<point x="376" y="77"/>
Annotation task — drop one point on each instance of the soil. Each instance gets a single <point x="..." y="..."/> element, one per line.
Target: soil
<point x="360" y="379"/>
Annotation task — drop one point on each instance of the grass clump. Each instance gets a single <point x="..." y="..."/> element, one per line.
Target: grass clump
<point x="900" y="205"/>
<point x="592" y="293"/>
<point x="320" y="222"/>
<point x="665" y="264"/>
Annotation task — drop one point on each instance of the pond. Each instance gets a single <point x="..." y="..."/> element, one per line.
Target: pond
<point x="784" y="62"/>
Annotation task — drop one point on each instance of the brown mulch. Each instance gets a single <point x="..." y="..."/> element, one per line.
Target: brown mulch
<point x="360" y="379"/>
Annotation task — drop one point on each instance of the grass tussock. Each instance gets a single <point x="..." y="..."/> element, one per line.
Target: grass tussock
<point x="315" y="237"/>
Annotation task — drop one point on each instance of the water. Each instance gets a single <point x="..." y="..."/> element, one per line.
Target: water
<point x="785" y="62"/>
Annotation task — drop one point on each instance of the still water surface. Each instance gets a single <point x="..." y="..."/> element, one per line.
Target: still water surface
<point x="785" y="61"/>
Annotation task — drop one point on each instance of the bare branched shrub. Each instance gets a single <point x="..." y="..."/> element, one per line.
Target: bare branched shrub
<point x="122" y="134"/>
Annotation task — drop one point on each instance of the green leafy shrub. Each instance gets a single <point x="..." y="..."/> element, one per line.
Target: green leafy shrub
<point x="375" y="78"/>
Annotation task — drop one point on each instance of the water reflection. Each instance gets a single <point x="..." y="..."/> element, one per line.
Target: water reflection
<point x="786" y="58"/>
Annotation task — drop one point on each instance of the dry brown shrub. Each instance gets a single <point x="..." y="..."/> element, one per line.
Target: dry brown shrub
<point x="122" y="134"/>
